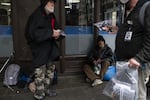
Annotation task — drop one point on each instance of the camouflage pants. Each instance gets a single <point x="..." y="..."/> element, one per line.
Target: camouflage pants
<point x="43" y="79"/>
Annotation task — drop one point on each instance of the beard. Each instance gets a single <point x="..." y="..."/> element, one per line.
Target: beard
<point x="100" y="46"/>
<point x="49" y="10"/>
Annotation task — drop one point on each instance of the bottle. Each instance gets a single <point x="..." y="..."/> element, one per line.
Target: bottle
<point x="99" y="66"/>
<point x="97" y="69"/>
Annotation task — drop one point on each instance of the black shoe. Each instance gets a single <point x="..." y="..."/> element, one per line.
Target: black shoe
<point x="51" y="93"/>
<point x="38" y="99"/>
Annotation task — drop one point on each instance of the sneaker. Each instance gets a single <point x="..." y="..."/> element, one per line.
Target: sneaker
<point x="51" y="93"/>
<point x="39" y="96"/>
<point x="97" y="82"/>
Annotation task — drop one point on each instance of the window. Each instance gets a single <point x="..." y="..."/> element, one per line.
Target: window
<point x="6" y="43"/>
<point x="79" y="29"/>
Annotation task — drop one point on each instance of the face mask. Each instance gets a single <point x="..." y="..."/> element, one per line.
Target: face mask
<point x="124" y="1"/>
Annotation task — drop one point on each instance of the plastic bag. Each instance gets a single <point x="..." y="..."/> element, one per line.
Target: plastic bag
<point x="124" y="86"/>
<point x="110" y="73"/>
<point x="11" y="75"/>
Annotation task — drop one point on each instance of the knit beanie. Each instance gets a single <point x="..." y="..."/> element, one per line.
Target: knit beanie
<point x="100" y="38"/>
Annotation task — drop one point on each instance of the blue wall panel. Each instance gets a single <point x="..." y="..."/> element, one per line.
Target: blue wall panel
<point x="5" y="30"/>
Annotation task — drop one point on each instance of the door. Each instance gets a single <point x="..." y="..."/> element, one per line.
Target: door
<point x="78" y="16"/>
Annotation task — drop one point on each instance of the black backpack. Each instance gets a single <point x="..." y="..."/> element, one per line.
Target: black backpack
<point x="142" y="12"/>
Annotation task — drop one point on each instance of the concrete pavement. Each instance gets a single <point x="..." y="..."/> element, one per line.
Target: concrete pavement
<point x="68" y="88"/>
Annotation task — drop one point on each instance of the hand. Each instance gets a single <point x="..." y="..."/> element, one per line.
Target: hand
<point x="99" y="60"/>
<point x="111" y="29"/>
<point x="133" y="63"/>
<point x="106" y="28"/>
<point x="95" y="62"/>
<point x="56" y="34"/>
<point x="114" y="29"/>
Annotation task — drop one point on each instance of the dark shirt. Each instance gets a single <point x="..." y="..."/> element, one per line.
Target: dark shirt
<point x="104" y="54"/>
<point x="139" y="45"/>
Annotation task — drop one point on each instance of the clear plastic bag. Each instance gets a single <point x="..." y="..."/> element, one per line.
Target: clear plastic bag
<point x="124" y="86"/>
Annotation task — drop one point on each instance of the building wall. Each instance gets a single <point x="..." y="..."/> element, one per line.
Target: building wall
<point x="73" y="49"/>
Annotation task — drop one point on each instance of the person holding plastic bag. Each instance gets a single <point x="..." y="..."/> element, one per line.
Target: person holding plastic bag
<point x="123" y="86"/>
<point x="133" y="43"/>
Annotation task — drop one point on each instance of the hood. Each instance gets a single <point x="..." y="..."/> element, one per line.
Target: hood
<point x="44" y="2"/>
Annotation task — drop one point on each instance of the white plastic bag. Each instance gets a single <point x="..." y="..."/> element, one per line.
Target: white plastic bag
<point x="11" y="75"/>
<point x="124" y="86"/>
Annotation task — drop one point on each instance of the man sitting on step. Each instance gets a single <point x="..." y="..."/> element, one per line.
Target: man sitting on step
<point x="99" y="59"/>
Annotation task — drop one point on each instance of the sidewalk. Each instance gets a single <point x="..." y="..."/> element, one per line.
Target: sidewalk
<point x="68" y="88"/>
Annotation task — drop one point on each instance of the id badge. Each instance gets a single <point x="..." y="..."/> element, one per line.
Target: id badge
<point x="128" y="36"/>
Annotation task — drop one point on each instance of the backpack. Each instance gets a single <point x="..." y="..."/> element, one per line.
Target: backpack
<point x="142" y="12"/>
<point x="11" y="75"/>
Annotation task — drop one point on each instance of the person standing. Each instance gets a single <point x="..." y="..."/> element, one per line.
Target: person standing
<point x="99" y="59"/>
<point x="42" y="32"/>
<point x="133" y="43"/>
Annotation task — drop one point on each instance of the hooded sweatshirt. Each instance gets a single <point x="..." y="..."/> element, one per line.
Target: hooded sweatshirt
<point x="39" y="31"/>
<point x="44" y="2"/>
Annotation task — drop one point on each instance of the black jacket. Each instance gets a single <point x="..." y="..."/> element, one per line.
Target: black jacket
<point x="139" y="46"/>
<point x="39" y="37"/>
<point x="104" y="54"/>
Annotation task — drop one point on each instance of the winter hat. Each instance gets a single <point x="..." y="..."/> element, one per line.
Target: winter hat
<point x="44" y="2"/>
<point x="100" y="38"/>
